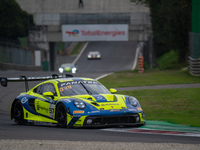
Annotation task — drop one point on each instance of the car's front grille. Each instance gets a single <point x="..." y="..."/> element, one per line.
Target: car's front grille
<point x="112" y="120"/>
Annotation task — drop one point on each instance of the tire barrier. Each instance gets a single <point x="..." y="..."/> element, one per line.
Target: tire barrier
<point x="194" y="66"/>
<point x="141" y="64"/>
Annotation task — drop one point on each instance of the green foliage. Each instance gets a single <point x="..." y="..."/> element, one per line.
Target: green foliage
<point x="60" y="47"/>
<point x="169" y="60"/>
<point x="14" y="22"/>
<point x="23" y="41"/>
<point x="171" y="24"/>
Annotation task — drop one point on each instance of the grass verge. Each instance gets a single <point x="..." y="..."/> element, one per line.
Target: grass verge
<point x="131" y="78"/>
<point x="77" y="48"/>
<point x="179" y="106"/>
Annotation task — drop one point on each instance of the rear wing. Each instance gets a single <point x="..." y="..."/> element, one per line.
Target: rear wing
<point x="4" y="81"/>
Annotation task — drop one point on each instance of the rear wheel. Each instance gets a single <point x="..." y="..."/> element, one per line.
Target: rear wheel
<point x="61" y="115"/>
<point x="18" y="114"/>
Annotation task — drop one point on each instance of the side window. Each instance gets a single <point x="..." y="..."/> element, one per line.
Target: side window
<point x="49" y="87"/>
<point x="38" y="89"/>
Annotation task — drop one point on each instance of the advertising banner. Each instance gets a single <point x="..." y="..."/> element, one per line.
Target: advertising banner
<point x="96" y="32"/>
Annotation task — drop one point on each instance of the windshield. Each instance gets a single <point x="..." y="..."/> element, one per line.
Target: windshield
<point x="66" y="65"/>
<point x="81" y="88"/>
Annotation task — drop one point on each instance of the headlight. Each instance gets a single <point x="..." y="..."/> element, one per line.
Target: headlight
<point x="133" y="101"/>
<point x="89" y="56"/>
<point x="79" y="104"/>
<point x="61" y="70"/>
<point x="74" y="70"/>
<point x="98" y="56"/>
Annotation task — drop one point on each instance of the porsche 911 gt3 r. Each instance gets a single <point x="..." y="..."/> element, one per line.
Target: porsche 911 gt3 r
<point x="94" y="55"/>
<point x="68" y="67"/>
<point x="74" y="102"/>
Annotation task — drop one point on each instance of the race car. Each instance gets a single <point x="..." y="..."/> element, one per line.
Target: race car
<point x="68" y="101"/>
<point x="94" y="55"/>
<point x="68" y="67"/>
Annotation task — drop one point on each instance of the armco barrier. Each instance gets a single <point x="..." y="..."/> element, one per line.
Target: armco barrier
<point x="7" y="66"/>
<point x="194" y="66"/>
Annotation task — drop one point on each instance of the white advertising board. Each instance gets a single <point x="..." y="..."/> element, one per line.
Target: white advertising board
<point x="96" y="32"/>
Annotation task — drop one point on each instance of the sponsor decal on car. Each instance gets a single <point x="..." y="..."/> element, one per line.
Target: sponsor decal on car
<point x="114" y="110"/>
<point x="94" y="112"/>
<point x="42" y="108"/>
<point x="132" y="109"/>
<point x="24" y="100"/>
<point x="51" y="110"/>
<point x="78" y="112"/>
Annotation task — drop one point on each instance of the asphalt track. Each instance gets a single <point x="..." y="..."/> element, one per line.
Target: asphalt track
<point x="9" y="130"/>
<point x="116" y="56"/>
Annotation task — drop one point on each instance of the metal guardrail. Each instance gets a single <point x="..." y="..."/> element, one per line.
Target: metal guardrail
<point x="194" y="58"/>
<point x="194" y="66"/>
<point x="194" y="45"/>
<point x="15" y="57"/>
<point x="15" y="54"/>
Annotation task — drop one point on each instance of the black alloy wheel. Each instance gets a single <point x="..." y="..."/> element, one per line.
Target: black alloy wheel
<point x="61" y="115"/>
<point x="18" y="113"/>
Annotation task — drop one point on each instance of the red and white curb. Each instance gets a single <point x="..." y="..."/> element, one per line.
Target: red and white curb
<point x="151" y="131"/>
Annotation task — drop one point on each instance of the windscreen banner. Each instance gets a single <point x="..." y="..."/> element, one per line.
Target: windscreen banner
<point x="96" y="32"/>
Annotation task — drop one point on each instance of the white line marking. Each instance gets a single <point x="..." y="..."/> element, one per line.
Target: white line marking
<point x="104" y="76"/>
<point x="79" y="55"/>
<point x="139" y="46"/>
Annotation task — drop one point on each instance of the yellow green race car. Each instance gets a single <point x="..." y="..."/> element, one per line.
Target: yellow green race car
<point x="73" y="102"/>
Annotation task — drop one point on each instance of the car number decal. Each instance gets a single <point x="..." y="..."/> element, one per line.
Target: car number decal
<point x="65" y="88"/>
<point x="51" y="110"/>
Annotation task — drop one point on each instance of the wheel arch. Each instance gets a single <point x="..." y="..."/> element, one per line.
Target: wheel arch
<point x="59" y="103"/>
<point x="12" y="108"/>
<point x="58" y="114"/>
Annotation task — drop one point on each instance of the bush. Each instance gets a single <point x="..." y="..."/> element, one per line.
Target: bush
<point x="169" y="60"/>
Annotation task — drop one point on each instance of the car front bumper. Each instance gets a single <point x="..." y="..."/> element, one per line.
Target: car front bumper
<point x="125" y="120"/>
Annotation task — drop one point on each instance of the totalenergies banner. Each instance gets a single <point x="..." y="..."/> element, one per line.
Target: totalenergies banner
<point x="95" y="32"/>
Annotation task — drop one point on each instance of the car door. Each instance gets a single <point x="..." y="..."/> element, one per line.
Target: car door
<point x="45" y="105"/>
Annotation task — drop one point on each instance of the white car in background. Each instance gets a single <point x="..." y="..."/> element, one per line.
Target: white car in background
<point x="68" y="67"/>
<point x="94" y="55"/>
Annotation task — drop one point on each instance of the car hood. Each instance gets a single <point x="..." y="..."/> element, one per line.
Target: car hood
<point x="99" y="98"/>
<point x="105" y="101"/>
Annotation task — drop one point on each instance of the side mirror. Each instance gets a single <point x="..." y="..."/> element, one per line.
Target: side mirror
<point x="48" y="94"/>
<point x="113" y="91"/>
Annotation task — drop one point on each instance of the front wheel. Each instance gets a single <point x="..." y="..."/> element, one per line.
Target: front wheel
<point x="61" y="115"/>
<point x="18" y="114"/>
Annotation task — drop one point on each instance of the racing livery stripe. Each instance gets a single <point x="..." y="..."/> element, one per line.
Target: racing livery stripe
<point x="73" y="121"/>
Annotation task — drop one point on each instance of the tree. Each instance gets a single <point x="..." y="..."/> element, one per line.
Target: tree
<point x="14" y="22"/>
<point x="171" y="24"/>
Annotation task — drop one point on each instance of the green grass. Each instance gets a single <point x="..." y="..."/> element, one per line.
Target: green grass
<point x="179" y="106"/>
<point x="77" y="48"/>
<point x="132" y="78"/>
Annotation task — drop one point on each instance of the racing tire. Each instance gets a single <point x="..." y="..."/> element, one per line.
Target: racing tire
<point x="61" y="116"/>
<point x="18" y="113"/>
